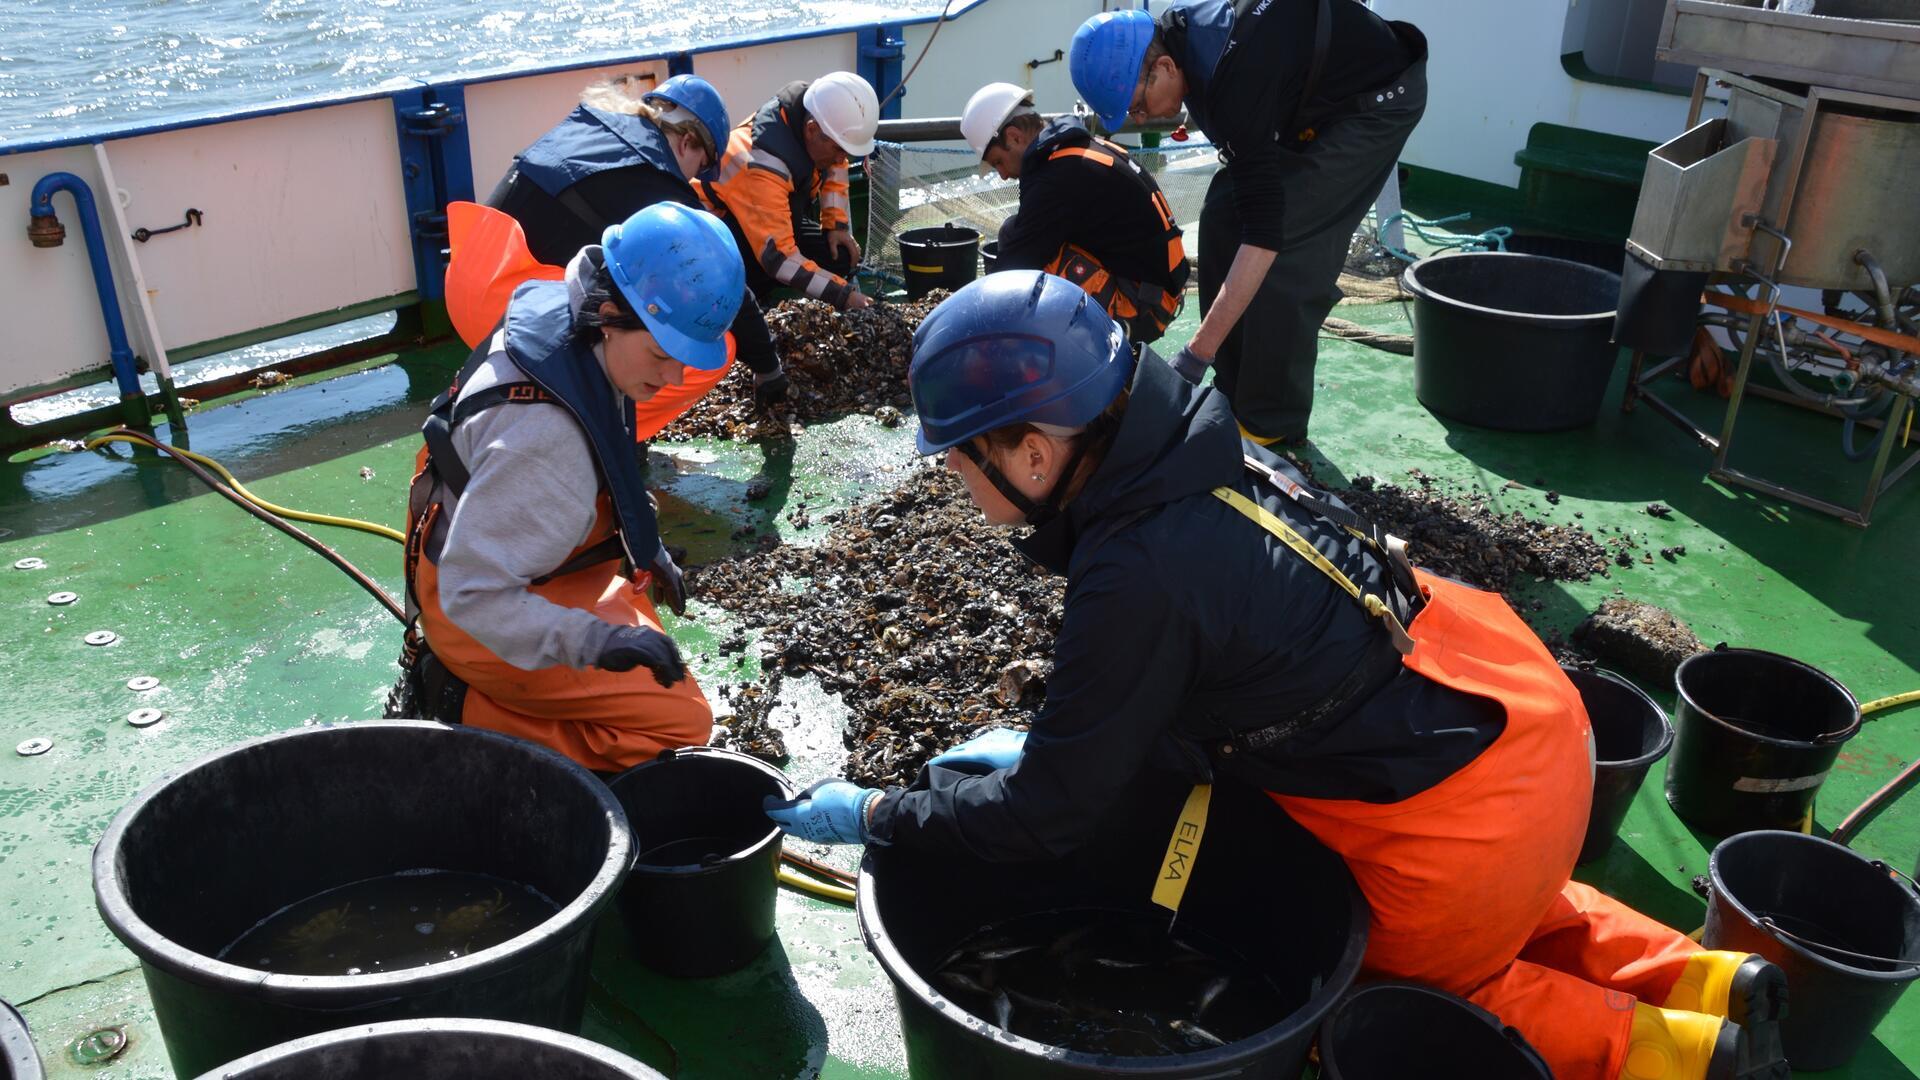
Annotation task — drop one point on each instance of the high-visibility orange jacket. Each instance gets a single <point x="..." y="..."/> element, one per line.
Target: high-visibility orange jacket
<point x="767" y="182"/>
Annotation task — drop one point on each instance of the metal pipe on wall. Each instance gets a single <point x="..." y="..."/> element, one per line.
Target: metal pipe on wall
<point x="133" y="402"/>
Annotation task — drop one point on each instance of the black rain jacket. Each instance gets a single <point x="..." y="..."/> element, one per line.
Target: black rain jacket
<point x="1106" y="209"/>
<point x="1186" y="622"/>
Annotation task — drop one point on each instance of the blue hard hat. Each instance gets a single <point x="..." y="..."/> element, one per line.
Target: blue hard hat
<point x="697" y="96"/>
<point x="681" y="271"/>
<point x="1020" y="346"/>
<point x="1105" y="60"/>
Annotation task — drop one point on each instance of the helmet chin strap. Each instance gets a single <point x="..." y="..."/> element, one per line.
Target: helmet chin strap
<point x="1035" y="513"/>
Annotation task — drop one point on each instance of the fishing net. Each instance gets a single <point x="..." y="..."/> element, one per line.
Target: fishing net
<point x="927" y="185"/>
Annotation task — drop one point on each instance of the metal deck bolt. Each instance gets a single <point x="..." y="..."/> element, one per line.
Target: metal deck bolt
<point x="62" y="599"/>
<point x="145" y="717"/>
<point x="34" y="747"/>
<point x="101" y="637"/>
<point x="142" y="683"/>
<point x="98" y="1047"/>
<point x="31" y="562"/>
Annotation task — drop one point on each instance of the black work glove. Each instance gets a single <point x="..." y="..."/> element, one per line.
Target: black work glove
<point x="770" y="388"/>
<point x="643" y="646"/>
<point x="668" y="583"/>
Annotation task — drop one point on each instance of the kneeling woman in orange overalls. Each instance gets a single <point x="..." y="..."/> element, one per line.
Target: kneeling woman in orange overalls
<point x="1219" y="611"/>
<point x="532" y="538"/>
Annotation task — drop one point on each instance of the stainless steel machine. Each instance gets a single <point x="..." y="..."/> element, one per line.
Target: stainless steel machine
<point x="1812" y="178"/>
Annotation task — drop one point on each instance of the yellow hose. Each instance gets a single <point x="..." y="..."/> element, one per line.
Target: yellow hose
<point x="1877" y="704"/>
<point x="818" y="888"/>
<point x="394" y="535"/>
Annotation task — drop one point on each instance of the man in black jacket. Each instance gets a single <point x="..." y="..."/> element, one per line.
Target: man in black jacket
<point x="1309" y="102"/>
<point x="1088" y="211"/>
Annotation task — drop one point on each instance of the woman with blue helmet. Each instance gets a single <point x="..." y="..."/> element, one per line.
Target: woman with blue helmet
<point x="1226" y="620"/>
<point x="531" y="539"/>
<point x="619" y="151"/>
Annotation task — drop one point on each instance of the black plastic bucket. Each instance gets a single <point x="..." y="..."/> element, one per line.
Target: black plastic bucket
<point x="438" y="1050"/>
<point x="1844" y="929"/>
<point x="17" y="1056"/>
<point x="1257" y="879"/>
<point x="713" y="915"/>
<point x="201" y="856"/>
<point x="989" y="256"/>
<point x="1389" y="1031"/>
<point x="1630" y="733"/>
<point x="1755" y="733"/>
<point x="943" y="257"/>
<point x="1509" y="341"/>
<point x="1658" y="308"/>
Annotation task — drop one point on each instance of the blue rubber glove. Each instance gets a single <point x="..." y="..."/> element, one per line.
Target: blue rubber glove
<point x="1190" y="365"/>
<point x="996" y="749"/>
<point x="830" y="812"/>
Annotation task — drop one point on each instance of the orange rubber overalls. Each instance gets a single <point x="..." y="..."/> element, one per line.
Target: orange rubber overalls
<point x="1468" y="880"/>
<point x="490" y="259"/>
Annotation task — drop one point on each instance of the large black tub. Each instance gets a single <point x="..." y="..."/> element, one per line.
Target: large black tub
<point x="198" y="858"/>
<point x="1259" y="884"/>
<point x="437" y="1050"/>
<point x="1509" y="341"/>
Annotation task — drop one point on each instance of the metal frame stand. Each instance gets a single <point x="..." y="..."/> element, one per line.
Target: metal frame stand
<point x="1639" y="377"/>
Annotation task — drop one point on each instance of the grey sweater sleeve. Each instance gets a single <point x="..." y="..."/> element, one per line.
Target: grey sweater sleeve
<point x="529" y="504"/>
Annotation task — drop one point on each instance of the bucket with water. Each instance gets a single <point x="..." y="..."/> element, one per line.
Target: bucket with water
<point x="1845" y="929"/>
<point x="700" y="897"/>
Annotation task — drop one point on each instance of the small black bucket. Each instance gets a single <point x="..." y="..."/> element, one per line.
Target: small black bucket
<point x="1389" y="1031"/>
<point x="18" y="1061"/>
<point x="1630" y="733"/>
<point x="201" y="856"/>
<point x="915" y="906"/>
<point x="437" y="1050"/>
<point x="943" y="257"/>
<point x="989" y="256"/>
<point x="1844" y="929"/>
<point x="1513" y="342"/>
<point x="1756" y="733"/>
<point x="1658" y="308"/>
<point x="700" y="897"/>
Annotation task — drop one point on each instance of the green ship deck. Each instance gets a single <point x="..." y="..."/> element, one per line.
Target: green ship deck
<point x="248" y="633"/>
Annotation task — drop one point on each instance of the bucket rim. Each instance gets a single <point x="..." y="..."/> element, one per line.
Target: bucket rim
<point x="1410" y="280"/>
<point x="1830" y="738"/>
<point x="392" y="1029"/>
<point x="1666" y="722"/>
<point x="1360" y="990"/>
<point x="755" y="850"/>
<point x="1904" y="975"/>
<point x="961" y="236"/>
<point x="16" y="1044"/>
<point x="1304" y="1019"/>
<point x="152" y="947"/>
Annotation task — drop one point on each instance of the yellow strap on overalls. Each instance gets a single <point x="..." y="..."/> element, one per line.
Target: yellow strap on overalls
<point x="1266" y="520"/>
<point x="1176" y="866"/>
<point x="1183" y="847"/>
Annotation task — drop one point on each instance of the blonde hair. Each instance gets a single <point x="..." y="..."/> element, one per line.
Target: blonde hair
<point x="627" y="94"/>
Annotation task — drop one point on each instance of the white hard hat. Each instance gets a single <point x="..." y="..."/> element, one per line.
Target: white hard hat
<point x="846" y="108"/>
<point x="989" y="109"/>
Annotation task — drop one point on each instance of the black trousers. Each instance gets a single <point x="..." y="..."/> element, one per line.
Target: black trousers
<point x="1265" y="365"/>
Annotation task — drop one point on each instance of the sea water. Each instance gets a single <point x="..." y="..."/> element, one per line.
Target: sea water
<point x="390" y="923"/>
<point x="1112" y="982"/>
<point x="69" y="67"/>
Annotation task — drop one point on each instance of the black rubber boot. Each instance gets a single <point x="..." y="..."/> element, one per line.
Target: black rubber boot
<point x="1749" y="1053"/>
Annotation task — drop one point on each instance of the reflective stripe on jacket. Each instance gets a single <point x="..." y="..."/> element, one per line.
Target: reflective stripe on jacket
<point x="766" y="183"/>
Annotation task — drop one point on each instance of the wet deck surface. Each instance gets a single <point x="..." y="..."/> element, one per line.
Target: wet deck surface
<point x="249" y="633"/>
